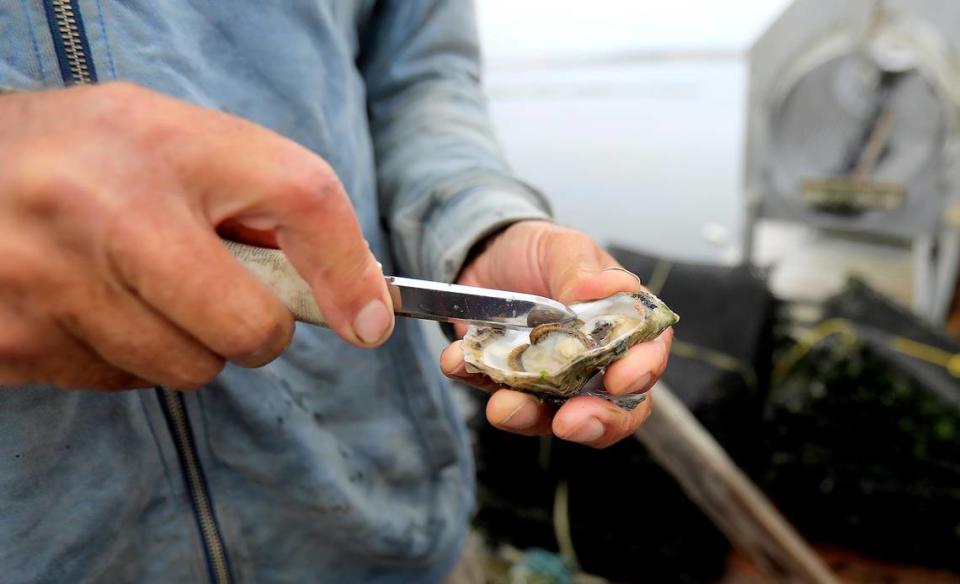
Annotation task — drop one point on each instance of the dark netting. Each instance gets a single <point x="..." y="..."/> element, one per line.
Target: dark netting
<point x="863" y="423"/>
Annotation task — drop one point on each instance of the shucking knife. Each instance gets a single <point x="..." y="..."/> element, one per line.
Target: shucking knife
<point x="412" y="298"/>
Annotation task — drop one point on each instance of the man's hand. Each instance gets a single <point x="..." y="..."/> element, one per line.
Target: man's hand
<point x="111" y="272"/>
<point x="544" y="259"/>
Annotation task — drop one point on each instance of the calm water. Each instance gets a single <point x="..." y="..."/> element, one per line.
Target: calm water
<point x="646" y="155"/>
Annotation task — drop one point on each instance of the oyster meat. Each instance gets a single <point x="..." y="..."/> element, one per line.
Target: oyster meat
<point x="557" y="360"/>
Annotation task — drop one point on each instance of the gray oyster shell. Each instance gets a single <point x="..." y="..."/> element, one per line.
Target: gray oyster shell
<point x="556" y="361"/>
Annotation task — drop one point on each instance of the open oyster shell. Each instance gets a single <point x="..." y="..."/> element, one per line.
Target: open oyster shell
<point x="556" y="361"/>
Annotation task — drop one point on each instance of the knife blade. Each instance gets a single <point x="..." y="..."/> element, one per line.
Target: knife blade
<point x="413" y="298"/>
<point x="483" y="306"/>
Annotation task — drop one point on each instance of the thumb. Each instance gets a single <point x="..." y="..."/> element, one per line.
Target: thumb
<point x="577" y="270"/>
<point x="252" y="180"/>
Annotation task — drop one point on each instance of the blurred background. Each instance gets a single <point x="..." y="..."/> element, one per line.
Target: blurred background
<point x="785" y="175"/>
<point x="629" y="113"/>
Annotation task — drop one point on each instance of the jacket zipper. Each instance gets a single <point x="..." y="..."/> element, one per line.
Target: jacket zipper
<point x="76" y="68"/>
<point x="176" y="414"/>
<point x="70" y="42"/>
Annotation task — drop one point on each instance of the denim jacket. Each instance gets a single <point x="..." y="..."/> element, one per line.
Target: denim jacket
<point x="331" y="464"/>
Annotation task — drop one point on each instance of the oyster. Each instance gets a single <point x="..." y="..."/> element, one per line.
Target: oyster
<point x="557" y="360"/>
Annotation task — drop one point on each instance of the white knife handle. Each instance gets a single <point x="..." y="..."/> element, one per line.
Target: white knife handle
<point x="272" y="267"/>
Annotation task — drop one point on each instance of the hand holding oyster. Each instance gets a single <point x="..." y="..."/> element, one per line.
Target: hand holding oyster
<point x="624" y="339"/>
<point x="555" y="361"/>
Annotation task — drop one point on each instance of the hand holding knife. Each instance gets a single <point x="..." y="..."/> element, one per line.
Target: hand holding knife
<point x="412" y="298"/>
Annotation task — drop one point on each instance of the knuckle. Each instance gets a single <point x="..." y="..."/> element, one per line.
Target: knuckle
<point x="115" y="103"/>
<point x="258" y="331"/>
<point x="312" y="185"/>
<point x="164" y="135"/>
<point x="42" y="183"/>
<point x="351" y="282"/>
<point x="138" y="114"/>
<point x="197" y="373"/>
<point x="120" y="96"/>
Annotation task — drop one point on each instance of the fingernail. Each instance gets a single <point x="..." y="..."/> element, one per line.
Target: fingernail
<point x="522" y="417"/>
<point x="372" y="322"/>
<point x="587" y="432"/>
<point x="625" y="271"/>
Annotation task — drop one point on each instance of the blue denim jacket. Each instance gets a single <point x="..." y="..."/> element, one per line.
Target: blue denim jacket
<point x="332" y="464"/>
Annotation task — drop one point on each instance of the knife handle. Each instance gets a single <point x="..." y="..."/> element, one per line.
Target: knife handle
<point x="272" y="267"/>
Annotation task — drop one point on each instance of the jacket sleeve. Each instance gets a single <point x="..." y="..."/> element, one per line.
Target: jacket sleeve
<point x="443" y="182"/>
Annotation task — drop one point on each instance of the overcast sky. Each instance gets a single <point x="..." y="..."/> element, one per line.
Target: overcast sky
<point x="524" y="29"/>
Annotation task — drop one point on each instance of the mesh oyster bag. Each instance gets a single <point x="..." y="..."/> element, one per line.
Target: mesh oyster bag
<point x="863" y="429"/>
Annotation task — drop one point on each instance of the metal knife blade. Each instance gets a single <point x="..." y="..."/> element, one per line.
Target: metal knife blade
<point x="455" y="303"/>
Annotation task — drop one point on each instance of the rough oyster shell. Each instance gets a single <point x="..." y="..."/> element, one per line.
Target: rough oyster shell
<point x="557" y="360"/>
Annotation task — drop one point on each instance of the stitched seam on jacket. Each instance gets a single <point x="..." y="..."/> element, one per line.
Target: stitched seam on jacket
<point x="106" y="40"/>
<point x="33" y="37"/>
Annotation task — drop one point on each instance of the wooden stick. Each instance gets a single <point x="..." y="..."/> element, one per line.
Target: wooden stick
<point x="713" y="481"/>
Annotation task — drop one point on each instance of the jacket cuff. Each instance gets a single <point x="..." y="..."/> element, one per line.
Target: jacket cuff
<point x="471" y="217"/>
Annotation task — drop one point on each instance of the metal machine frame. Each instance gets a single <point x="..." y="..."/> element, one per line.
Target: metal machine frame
<point x="802" y="35"/>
